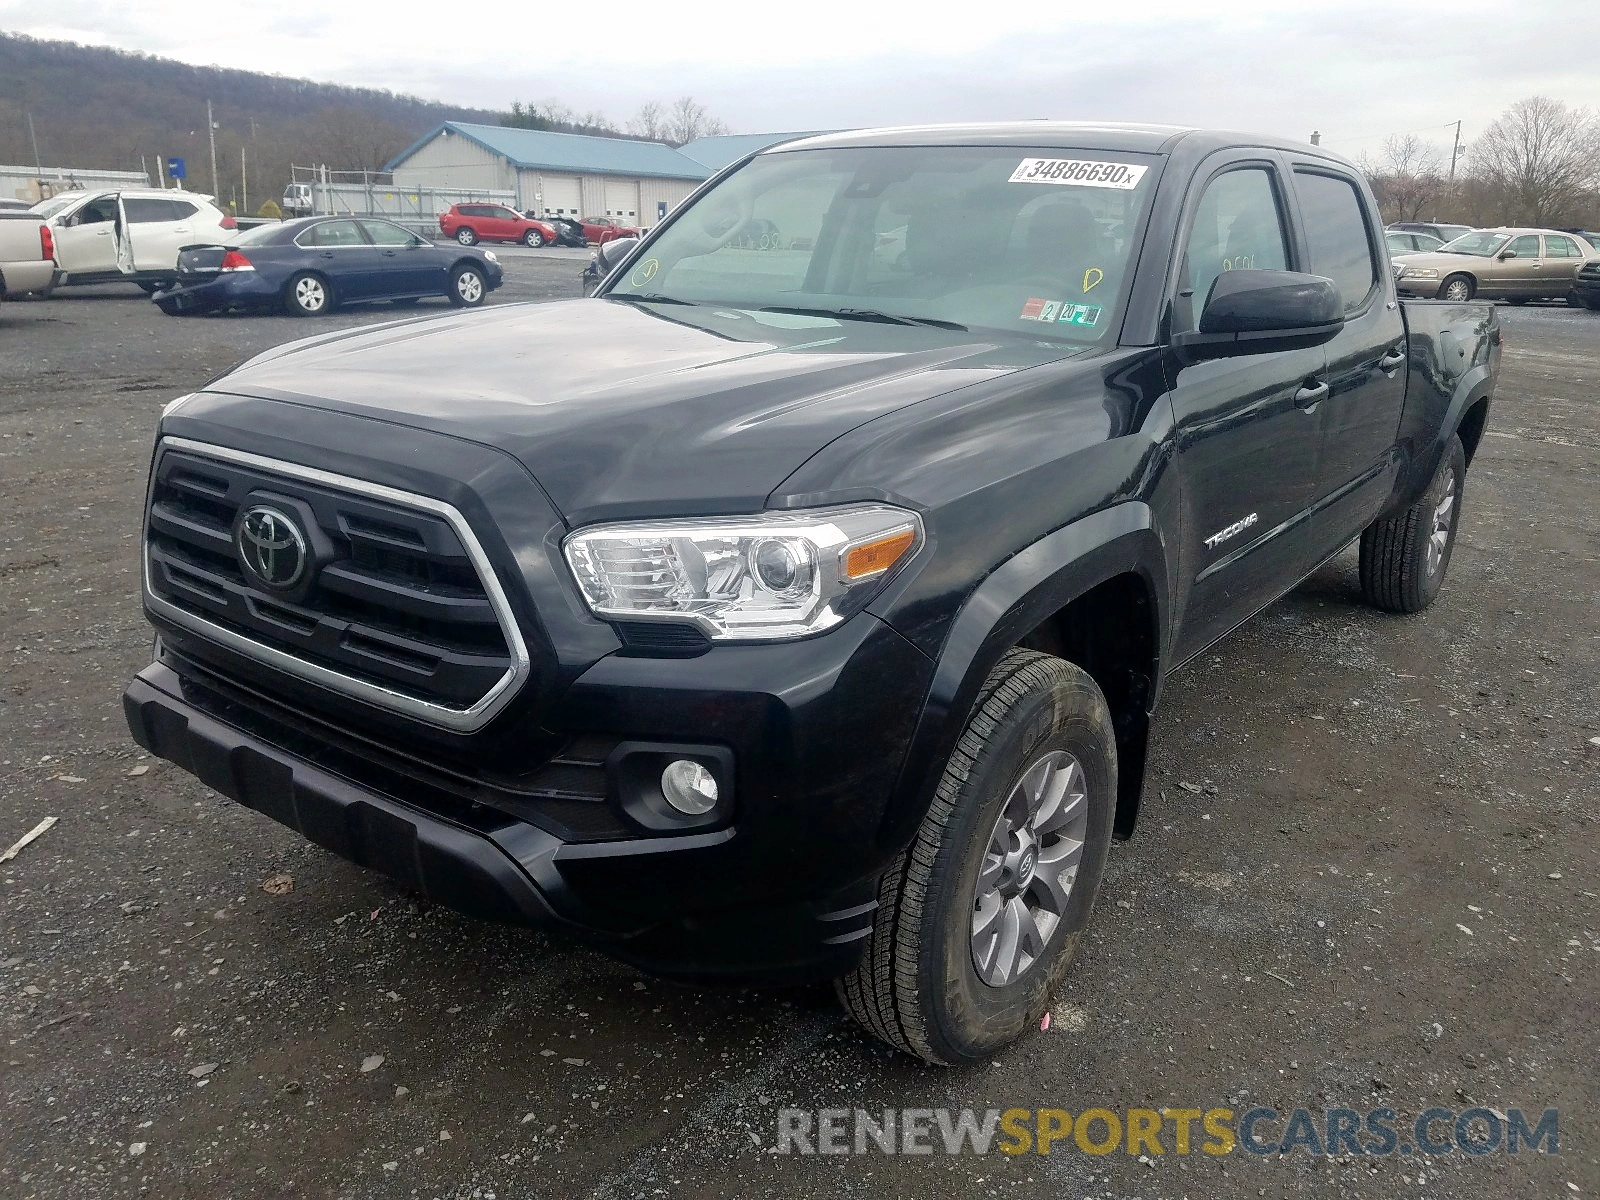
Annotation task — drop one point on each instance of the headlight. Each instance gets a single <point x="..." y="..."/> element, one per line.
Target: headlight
<point x="1419" y="273"/>
<point x="767" y="577"/>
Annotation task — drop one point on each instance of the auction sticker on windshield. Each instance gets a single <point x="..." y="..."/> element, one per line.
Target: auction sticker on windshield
<point x="1077" y="172"/>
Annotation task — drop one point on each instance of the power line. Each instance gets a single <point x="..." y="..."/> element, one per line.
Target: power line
<point x="1370" y="137"/>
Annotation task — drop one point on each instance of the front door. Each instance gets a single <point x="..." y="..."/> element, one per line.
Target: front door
<point x="1249" y="429"/>
<point x="86" y="239"/>
<point x="408" y="265"/>
<point x="1366" y="369"/>
<point x="1518" y="271"/>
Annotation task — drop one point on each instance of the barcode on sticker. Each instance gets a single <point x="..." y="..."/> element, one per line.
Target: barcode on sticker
<point x="1077" y="172"/>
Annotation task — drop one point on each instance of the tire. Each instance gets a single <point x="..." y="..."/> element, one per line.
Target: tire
<point x="308" y="294"/>
<point x="170" y="307"/>
<point x="1465" y="285"/>
<point x="467" y="287"/>
<point x="920" y="986"/>
<point x="1404" y="557"/>
<point x="466" y="236"/>
<point x="149" y="288"/>
<point x="533" y="239"/>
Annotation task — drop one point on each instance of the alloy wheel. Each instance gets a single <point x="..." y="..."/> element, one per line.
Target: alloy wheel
<point x="469" y="286"/>
<point x="1443" y="514"/>
<point x="1029" y="867"/>
<point x="310" y="295"/>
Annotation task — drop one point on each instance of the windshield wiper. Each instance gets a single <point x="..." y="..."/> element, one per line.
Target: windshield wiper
<point x="649" y="298"/>
<point x="866" y="314"/>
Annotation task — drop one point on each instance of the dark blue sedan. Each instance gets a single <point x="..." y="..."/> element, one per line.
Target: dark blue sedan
<point x="313" y="265"/>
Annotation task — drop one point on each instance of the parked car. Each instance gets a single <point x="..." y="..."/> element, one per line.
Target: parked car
<point x="817" y="632"/>
<point x="27" y="254"/>
<point x="1586" y="286"/>
<point x="597" y="230"/>
<point x="132" y="235"/>
<point x="470" y="224"/>
<point x="313" y="265"/>
<point x="1502" y="264"/>
<point x="11" y="204"/>
<point x="1402" y="241"/>
<point x="1445" y="233"/>
<point x="568" y="230"/>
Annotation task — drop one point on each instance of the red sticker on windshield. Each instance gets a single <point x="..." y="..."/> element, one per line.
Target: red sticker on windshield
<point x="1032" y="310"/>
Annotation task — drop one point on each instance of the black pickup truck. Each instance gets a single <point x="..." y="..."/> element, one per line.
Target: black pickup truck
<point x="796" y="607"/>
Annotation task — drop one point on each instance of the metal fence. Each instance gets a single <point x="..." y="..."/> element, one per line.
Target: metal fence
<point x="319" y="192"/>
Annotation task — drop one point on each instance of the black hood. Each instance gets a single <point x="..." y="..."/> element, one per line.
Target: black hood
<point x="621" y="409"/>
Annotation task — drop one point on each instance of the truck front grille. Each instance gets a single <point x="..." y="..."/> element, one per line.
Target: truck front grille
<point x="398" y="604"/>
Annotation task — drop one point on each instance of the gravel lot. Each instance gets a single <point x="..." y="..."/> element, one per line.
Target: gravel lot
<point x="1366" y="875"/>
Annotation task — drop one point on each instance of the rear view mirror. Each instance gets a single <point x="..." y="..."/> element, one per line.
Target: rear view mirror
<point x="1258" y="312"/>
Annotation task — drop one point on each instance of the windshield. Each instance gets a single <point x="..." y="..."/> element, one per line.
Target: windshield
<point x="49" y="208"/>
<point x="1033" y="241"/>
<point x="1480" y="244"/>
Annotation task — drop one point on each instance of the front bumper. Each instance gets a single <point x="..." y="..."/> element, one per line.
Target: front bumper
<point x="1421" y="289"/>
<point x="783" y="891"/>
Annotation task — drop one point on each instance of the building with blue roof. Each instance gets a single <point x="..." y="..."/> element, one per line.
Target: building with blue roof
<point x="718" y="150"/>
<point x="555" y="174"/>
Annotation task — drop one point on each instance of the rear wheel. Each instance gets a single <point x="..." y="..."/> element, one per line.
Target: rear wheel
<point x="466" y="236"/>
<point x="467" y="289"/>
<point x="1457" y="288"/>
<point x="150" y="288"/>
<point x="307" y="294"/>
<point x="533" y="239"/>
<point x="980" y="917"/>
<point x="1404" y="557"/>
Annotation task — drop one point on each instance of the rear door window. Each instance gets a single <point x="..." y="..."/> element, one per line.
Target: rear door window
<point x="143" y="210"/>
<point x="384" y="234"/>
<point x="1337" y="233"/>
<point x="1560" y="247"/>
<point x="332" y="234"/>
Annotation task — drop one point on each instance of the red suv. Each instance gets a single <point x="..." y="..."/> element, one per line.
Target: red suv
<point x="471" y="223"/>
<point x="599" y="230"/>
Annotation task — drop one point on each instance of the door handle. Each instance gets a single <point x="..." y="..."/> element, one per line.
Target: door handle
<point x="1392" y="361"/>
<point x="388" y="253"/>
<point x="327" y="254"/>
<point x="102" y="233"/>
<point x="1311" y="394"/>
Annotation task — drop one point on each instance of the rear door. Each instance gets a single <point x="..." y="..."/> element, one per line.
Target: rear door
<point x="1561" y="262"/>
<point x="1249" y="429"/>
<point x="152" y="224"/>
<point x="1366" y="363"/>
<point x="338" y="250"/>
<point x="407" y="265"/>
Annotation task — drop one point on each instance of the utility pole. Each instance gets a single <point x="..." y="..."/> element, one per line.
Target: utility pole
<point x="211" y="132"/>
<point x="37" y="168"/>
<point x="1455" y="153"/>
<point x="244" y="183"/>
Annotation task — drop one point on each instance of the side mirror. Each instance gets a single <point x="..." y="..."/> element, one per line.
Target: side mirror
<point x="1505" y="254"/>
<point x="1260" y="312"/>
<point x="609" y="254"/>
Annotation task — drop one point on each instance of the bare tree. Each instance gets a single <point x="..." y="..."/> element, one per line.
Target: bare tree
<point x="687" y="119"/>
<point x="1541" y="157"/>
<point x="351" y="139"/>
<point x="1413" y="175"/>
<point x="649" y="123"/>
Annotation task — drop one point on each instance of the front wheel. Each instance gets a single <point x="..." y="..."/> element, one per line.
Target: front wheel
<point x="1404" y="557"/>
<point x="467" y="289"/>
<point x="307" y="295"/>
<point x="466" y="236"/>
<point x="980" y="917"/>
<point x="1459" y="288"/>
<point x="533" y="239"/>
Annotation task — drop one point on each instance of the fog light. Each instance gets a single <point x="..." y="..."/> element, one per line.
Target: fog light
<point x="689" y="787"/>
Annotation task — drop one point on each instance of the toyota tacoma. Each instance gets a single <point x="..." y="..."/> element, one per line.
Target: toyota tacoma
<point x="798" y="611"/>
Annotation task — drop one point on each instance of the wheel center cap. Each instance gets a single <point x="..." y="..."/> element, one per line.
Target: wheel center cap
<point x="1025" y="866"/>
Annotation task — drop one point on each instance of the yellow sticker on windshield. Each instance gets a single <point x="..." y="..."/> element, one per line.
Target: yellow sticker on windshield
<point x="644" y="272"/>
<point x="1077" y="172"/>
<point x="1091" y="277"/>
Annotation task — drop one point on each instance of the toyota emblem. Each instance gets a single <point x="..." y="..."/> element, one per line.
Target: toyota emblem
<point x="271" y="547"/>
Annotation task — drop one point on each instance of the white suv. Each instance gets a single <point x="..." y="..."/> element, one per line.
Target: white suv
<point x="131" y="235"/>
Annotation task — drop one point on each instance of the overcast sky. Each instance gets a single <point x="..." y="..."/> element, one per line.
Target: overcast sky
<point x="1354" y="69"/>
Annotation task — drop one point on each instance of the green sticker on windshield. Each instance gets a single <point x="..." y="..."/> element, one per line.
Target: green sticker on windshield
<point x="1087" y="315"/>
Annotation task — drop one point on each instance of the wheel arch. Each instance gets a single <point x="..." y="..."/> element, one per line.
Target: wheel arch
<point x="1473" y="420"/>
<point x="1095" y="592"/>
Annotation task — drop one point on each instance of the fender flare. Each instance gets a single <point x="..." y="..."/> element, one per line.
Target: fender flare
<point x="1014" y="599"/>
<point x="1477" y="384"/>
